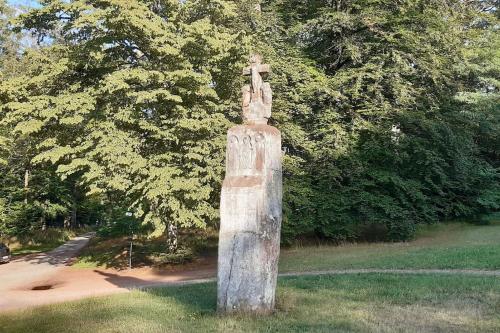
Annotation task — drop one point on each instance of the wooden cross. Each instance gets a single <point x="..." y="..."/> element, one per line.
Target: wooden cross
<point x="255" y="70"/>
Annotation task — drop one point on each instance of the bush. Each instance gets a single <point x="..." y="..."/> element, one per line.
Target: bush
<point x="181" y="256"/>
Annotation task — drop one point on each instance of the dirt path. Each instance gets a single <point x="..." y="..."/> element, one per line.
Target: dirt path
<point x="24" y="270"/>
<point x="69" y="283"/>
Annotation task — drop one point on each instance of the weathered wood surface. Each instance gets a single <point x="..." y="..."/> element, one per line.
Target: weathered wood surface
<point x="251" y="207"/>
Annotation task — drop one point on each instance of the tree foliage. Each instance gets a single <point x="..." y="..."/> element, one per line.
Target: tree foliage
<point x="130" y="97"/>
<point x="388" y="109"/>
<point x="389" y="133"/>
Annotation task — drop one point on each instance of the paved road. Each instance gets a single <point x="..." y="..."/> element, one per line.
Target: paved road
<point x="25" y="270"/>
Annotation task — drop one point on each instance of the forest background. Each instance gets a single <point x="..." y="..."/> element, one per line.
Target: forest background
<point x="114" y="113"/>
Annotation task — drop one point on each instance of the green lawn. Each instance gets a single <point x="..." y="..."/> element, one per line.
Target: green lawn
<point x="346" y="303"/>
<point x="339" y="303"/>
<point x="445" y="245"/>
<point x="449" y="245"/>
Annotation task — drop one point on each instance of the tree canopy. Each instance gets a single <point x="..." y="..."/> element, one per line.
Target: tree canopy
<point x="389" y="110"/>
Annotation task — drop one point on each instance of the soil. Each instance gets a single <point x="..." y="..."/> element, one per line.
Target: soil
<point x="75" y="283"/>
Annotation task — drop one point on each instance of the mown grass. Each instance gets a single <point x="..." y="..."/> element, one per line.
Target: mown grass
<point x="454" y="245"/>
<point x="343" y="303"/>
<point x="444" y="246"/>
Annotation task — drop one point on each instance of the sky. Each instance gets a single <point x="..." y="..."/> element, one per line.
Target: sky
<point x="30" y="3"/>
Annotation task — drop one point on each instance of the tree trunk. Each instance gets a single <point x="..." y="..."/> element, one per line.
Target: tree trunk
<point x="26" y="184"/>
<point x="73" y="215"/>
<point x="67" y="222"/>
<point x="43" y="222"/>
<point x="172" y="237"/>
<point x="74" y="207"/>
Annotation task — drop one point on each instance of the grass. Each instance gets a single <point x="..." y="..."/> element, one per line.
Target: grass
<point x="41" y="241"/>
<point x="106" y="252"/>
<point x="114" y="253"/>
<point x="444" y="246"/>
<point x="336" y="303"/>
<point x="343" y="303"/>
<point x="36" y="248"/>
<point x="454" y="245"/>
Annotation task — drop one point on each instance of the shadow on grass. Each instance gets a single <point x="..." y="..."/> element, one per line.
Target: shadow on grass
<point x="383" y="287"/>
<point x="199" y="298"/>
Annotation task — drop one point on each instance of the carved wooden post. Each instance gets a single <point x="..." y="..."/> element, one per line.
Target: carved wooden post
<point x="250" y="209"/>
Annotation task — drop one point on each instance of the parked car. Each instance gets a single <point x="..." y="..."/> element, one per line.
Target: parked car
<point x="4" y="253"/>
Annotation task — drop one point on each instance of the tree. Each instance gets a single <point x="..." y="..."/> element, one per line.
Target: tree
<point x="389" y="110"/>
<point x="131" y="96"/>
<point x="384" y="144"/>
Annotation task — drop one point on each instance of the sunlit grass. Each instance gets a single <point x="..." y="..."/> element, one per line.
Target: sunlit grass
<point x="448" y="245"/>
<point x="456" y="245"/>
<point x="348" y="303"/>
<point x="344" y="303"/>
<point x="41" y="241"/>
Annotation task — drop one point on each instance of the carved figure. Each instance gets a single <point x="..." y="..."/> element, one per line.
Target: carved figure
<point x="250" y="211"/>
<point x="258" y="96"/>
